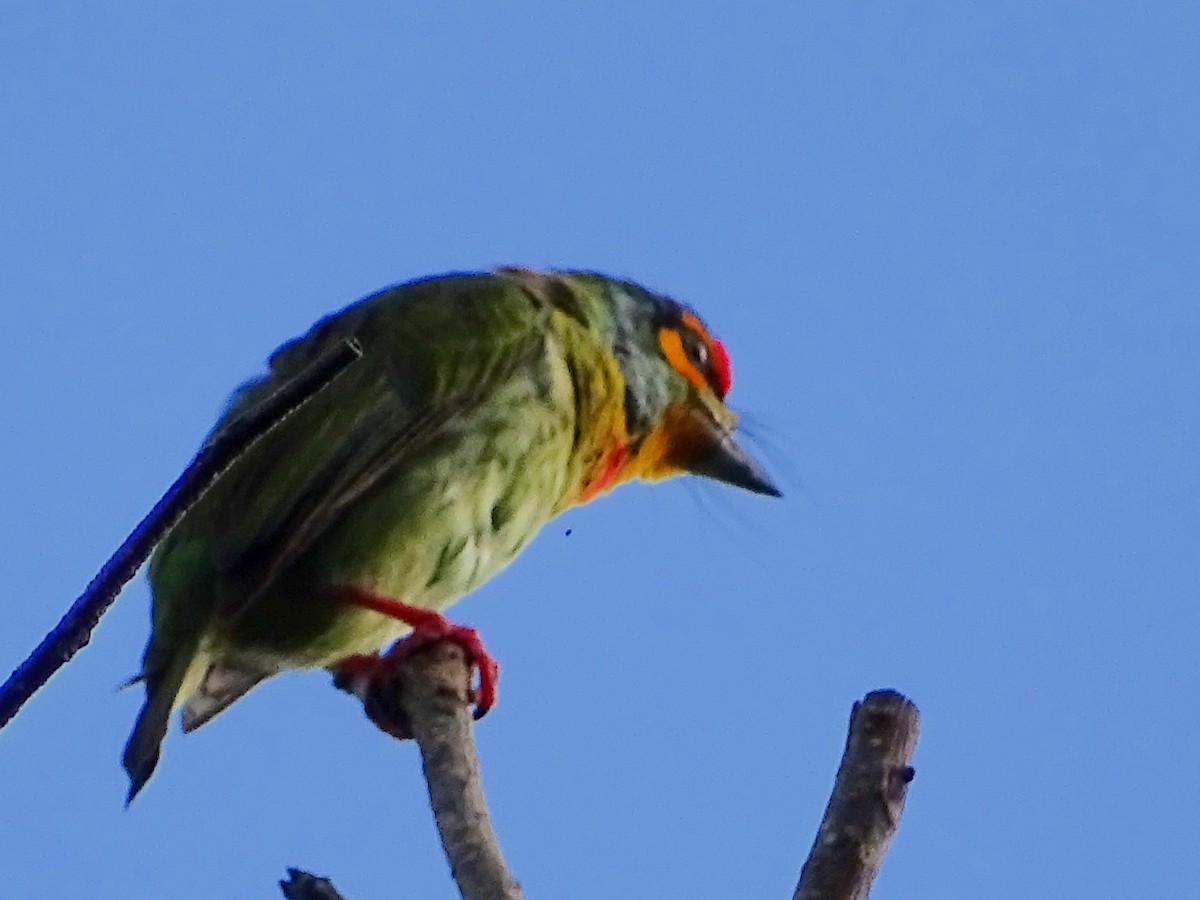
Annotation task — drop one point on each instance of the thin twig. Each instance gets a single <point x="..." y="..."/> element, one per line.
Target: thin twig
<point x="74" y="630"/>
<point x="868" y="797"/>
<point x="301" y="885"/>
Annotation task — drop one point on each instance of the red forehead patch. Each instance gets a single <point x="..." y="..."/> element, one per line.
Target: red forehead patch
<point x="721" y="367"/>
<point x="721" y="370"/>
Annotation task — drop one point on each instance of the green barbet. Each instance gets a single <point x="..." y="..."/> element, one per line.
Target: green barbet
<point x="483" y="405"/>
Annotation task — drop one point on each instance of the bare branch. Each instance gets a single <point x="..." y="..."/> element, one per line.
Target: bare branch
<point x="301" y="885"/>
<point x="428" y="695"/>
<point x="74" y="630"/>
<point x="430" y="692"/>
<point x="868" y="797"/>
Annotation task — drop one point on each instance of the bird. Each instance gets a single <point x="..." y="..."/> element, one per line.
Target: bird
<point x="482" y="406"/>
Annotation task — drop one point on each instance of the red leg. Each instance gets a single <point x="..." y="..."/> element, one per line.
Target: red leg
<point x="428" y="627"/>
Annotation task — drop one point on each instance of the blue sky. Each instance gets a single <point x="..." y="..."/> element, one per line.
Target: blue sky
<point x="952" y="248"/>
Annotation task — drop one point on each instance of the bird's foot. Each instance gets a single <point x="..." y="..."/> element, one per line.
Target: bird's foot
<point x="358" y="674"/>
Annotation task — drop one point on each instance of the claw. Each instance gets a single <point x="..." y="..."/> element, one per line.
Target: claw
<point x="357" y="674"/>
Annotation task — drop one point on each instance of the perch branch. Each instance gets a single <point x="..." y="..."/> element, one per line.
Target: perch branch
<point x="74" y="630"/>
<point x="868" y="797"/>
<point x="429" y="694"/>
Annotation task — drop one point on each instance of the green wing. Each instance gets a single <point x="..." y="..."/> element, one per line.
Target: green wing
<point x="433" y="351"/>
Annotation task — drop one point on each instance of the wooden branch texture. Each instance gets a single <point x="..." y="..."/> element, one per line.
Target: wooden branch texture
<point x="868" y="797"/>
<point x="431" y="692"/>
<point x="429" y="695"/>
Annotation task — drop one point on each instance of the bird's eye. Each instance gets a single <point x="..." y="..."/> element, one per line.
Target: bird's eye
<point x="696" y="355"/>
<point x="696" y="350"/>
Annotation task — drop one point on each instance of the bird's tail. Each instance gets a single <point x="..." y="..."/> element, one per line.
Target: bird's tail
<point x="163" y="690"/>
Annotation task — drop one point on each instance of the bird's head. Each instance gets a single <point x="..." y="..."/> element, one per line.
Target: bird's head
<point x="676" y="376"/>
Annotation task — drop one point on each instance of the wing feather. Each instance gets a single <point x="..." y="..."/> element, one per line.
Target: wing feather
<point x="433" y="352"/>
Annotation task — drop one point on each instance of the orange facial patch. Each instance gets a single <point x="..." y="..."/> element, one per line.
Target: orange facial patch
<point x="679" y="438"/>
<point x="719" y="375"/>
<point x="672" y="347"/>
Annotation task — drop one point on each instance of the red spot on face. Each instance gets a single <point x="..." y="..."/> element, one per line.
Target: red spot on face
<point x="717" y="372"/>
<point x="721" y="367"/>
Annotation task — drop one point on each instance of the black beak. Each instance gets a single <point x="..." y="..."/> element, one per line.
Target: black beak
<point x="723" y="459"/>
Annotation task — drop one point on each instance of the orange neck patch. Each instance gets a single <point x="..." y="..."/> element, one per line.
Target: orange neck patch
<point x="605" y="475"/>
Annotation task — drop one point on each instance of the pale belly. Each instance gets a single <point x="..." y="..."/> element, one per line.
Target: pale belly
<point x="427" y="537"/>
